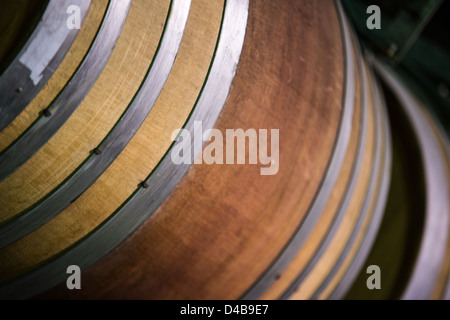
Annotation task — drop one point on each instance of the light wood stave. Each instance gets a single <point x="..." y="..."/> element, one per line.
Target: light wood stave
<point x="376" y="202"/>
<point x="146" y="148"/>
<point x="170" y="238"/>
<point x="322" y="230"/>
<point x="354" y="211"/>
<point x="94" y="118"/>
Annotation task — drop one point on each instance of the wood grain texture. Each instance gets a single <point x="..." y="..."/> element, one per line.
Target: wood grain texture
<point x="330" y="211"/>
<point x="395" y="248"/>
<point x="223" y="225"/>
<point x="95" y="116"/>
<point x="140" y="156"/>
<point x="366" y="220"/>
<point x="349" y="257"/>
<point x="352" y="213"/>
<point x="59" y="79"/>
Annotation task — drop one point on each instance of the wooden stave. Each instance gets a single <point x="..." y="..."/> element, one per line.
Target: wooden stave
<point x="90" y="169"/>
<point x="356" y="256"/>
<point x="228" y="37"/>
<point x="291" y="294"/>
<point x="301" y="265"/>
<point x="350" y="209"/>
<point x="57" y="159"/>
<point x="18" y="154"/>
<point x="402" y="285"/>
<point x="396" y="244"/>
<point x="321" y="199"/>
<point x="79" y="216"/>
<point x="94" y="265"/>
<point x="380" y="178"/>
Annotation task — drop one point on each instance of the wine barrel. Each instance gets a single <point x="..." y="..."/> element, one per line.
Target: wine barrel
<point x="413" y="242"/>
<point x="87" y="169"/>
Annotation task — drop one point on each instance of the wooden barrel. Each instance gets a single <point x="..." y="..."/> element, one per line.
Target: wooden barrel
<point x="88" y="149"/>
<point x="412" y="245"/>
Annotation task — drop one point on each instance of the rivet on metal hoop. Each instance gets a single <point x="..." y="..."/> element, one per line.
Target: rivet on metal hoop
<point x="47" y="113"/>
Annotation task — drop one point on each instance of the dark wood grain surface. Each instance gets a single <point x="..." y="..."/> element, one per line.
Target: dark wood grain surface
<point x="224" y="224"/>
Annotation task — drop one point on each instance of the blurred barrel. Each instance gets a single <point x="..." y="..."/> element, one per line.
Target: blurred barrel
<point x="87" y="176"/>
<point x="412" y="245"/>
